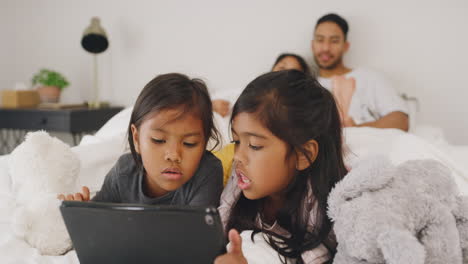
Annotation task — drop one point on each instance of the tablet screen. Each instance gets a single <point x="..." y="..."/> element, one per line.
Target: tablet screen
<point x="133" y="233"/>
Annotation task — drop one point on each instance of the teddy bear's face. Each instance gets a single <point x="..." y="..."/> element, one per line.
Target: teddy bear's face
<point x="376" y="209"/>
<point x="43" y="164"/>
<point x="40" y="168"/>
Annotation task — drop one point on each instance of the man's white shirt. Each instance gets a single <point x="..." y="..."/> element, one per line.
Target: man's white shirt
<point x="374" y="96"/>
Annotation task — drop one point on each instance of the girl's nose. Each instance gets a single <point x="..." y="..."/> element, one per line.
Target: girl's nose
<point x="173" y="155"/>
<point x="173" y="158"/>
<point x="239" y="156"/>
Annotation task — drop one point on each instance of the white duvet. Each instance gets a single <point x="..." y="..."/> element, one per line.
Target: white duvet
<point x="98" y="153"/>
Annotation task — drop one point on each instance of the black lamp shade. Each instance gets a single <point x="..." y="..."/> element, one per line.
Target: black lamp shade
<point x="94" y="43"/>
<point x="94" y="37"/>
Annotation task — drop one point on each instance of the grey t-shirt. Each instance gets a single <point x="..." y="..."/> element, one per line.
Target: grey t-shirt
<point x="125" y="184"/>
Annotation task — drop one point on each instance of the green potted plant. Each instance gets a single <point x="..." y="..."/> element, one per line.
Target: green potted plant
<point x="50" y="84"/>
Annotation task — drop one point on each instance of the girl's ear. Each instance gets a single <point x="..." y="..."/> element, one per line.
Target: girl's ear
<point x="312" y="148"/>
<point x="135" y="137"/>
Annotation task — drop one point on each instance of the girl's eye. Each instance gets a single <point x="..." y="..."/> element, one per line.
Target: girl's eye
<point x="235" y="142"/>
<point x="255" y="147"/>
<point x="158" y="141"/>
<point x="190" y="145"/>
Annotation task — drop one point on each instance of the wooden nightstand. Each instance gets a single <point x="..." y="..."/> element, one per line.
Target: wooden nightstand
<point x="16" y="122"/>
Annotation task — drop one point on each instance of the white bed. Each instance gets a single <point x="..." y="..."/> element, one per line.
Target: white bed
<point x="110" y="140"/>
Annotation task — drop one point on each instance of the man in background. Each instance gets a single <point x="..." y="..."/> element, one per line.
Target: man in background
<point x="365" y="97"/>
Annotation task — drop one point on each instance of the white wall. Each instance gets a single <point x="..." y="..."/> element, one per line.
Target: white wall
<point x="420" y="45"/>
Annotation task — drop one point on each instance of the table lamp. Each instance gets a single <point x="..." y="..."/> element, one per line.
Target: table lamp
<point x="95" y="41"/>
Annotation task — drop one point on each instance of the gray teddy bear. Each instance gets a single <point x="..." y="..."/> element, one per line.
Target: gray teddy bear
<point x="405" y="214"/>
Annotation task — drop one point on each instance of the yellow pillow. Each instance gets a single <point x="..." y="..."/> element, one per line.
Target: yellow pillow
<point x="226" y="156"/>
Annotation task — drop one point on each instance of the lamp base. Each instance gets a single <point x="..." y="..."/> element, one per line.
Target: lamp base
<point x="97" y="105"/>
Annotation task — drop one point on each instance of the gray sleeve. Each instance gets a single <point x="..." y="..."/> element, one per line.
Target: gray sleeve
<point x="207" y="190"/>
<point x="110" y="190"/>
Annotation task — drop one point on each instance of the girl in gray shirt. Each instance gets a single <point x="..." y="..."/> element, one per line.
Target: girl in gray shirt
<point x="170" y="125"/>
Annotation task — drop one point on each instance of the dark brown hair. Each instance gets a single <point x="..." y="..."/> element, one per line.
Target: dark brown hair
<point x="173" y="91"/>
<point x="338" y="20"/>
<point x="299" y="59"/>
<point x="296" y="109"/>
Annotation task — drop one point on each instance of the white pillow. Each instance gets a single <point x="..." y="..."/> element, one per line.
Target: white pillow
<point x="117" y="125"/>
<point x="5" y="180"/>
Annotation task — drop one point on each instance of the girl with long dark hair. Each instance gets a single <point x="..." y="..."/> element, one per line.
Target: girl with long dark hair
<point x="288" y="156"/>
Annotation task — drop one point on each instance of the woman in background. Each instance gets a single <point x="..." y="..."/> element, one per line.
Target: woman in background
<point x="285" y="61"/>
<point x="290" y="61"/>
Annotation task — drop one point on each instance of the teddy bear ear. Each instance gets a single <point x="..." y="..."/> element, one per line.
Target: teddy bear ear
<point x="52" y="166"/>
<point x="368" y="175"/>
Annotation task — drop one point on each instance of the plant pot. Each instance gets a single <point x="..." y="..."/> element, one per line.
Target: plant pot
<point x="49" y="94"/>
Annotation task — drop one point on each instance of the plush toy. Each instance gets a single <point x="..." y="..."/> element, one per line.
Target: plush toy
<point x="40" y="168"/>
<point x="409" y="213"/>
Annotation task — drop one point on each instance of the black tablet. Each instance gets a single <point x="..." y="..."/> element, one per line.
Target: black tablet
<point x="133" y="233"/>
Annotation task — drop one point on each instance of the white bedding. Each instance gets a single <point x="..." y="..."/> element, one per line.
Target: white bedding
<point x="400" y="147"/>
<point x="98" y="153"/>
